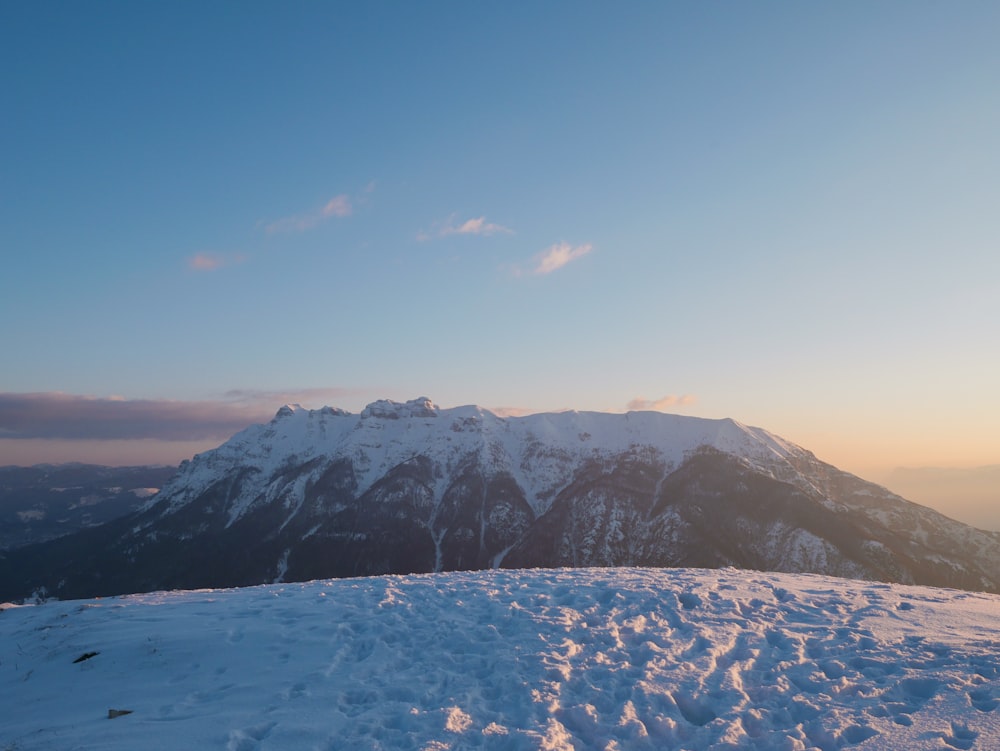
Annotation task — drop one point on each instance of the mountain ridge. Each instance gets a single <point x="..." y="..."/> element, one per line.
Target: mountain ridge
<point x="408" y="487"/>
<point x="293" y="423"/>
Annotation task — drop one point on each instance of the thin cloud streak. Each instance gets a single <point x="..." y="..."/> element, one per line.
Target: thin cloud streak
<point x="202" y="262"/>
<point x="57" y="415"/>
<point x="68" y="416"/>
<point x="558" y="255"/>
<point x="641" y="404"/>
<point x="339" y="206"/>
<point x="209" y="262"/>
<point x="475" y="226"/>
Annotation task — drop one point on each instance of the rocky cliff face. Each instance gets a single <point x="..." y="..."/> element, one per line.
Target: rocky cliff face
<point x="408" y="487"/>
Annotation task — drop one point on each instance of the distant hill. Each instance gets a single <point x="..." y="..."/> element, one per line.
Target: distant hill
<point x="47" y="501"/>
<point x="969" y="493"/>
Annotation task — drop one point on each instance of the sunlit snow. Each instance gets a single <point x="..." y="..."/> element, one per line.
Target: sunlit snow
<point x="586" y="659"/>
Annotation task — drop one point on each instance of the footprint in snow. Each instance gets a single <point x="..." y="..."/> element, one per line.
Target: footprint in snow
<point x="235" y="635"/>
<point x="985" y="668"/>
<point x="689" y="600"/>
<point x="297" y="691"/>
<point x="782" y="595"/>
<point x="983" y="700"/>
<point x="960" y="737"/>
<point x="694" y="710"/>
<point x="919" y="688"/>
<point x="855" y="734"/>
<point x="248" y="739"/>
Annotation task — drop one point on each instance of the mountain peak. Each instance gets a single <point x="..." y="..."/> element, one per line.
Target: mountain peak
<point x="387" y="409"/>
<point x="288" y="410"/>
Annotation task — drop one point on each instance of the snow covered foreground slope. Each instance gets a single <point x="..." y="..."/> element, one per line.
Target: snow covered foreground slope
<point x="546" y="659"/>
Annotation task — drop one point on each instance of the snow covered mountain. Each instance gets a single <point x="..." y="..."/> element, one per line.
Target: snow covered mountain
<point x="409" y="487"/>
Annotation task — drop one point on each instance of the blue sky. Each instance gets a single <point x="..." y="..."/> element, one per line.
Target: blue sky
<point x="784" y="213"/>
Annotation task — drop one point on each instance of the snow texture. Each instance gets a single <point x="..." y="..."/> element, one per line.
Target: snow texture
<point x="547" y="659"/>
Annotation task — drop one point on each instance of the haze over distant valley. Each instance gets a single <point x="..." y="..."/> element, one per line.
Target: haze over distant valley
<point x="971" y="495"/>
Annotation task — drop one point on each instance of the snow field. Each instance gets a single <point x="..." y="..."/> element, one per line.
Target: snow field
<point x="560" y="659"/>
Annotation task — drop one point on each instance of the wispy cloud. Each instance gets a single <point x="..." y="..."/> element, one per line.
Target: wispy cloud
<point x="641" y="403"/>
<point x="475" y="226"/>
<point x="211" y="262"/>
<point x="339" y="206"/>
<point x="57" y="415"/>
<point x="556" y="256"/>
<point x="69" y="416"/>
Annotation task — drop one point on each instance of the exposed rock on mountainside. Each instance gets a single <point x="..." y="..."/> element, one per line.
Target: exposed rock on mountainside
<point x="408" y="487"/>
